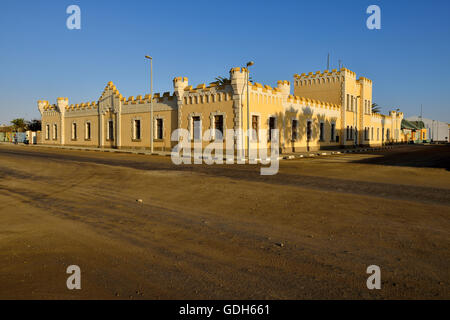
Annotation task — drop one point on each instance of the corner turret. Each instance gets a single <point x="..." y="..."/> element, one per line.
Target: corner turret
<point x="179" y="84"/>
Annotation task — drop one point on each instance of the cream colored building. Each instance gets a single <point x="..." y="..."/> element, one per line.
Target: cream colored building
<point x="330" y="109"/>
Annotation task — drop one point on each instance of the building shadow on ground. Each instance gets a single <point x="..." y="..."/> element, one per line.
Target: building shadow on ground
<point x="418" y="156"/>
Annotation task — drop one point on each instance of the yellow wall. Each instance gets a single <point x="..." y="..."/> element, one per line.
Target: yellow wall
<point x="81" y="139"/>
<point x="324" y="86"/>
<point x="205" y="102"/>
<point x="51" y="119"/>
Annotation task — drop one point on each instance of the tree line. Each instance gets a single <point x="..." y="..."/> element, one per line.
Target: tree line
<point x="21" y="125"/>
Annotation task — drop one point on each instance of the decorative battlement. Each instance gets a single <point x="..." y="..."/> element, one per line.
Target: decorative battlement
<point x="283" y="83"/>
<point x="180" y="84"/>
<point x="238" y="76"/>
<point x="146" y="99"/>
<point x="316" y="103"/>
<point x="264" y="88"/>
<point x="348" y="73"/>
<point x="49" y="107"/>
<point x="238" y="70"/>
<point x="325" y="77"/>
<point x="82" y="106"/>
<point x="111" y="88"/>
<point x="207" y="97"/>
<point x="392" y="114"/>
<point x="317" y="74"/>
<point x="396" y="114"/>
<point x="180" y="80"/>
<point x="42" y="103"/>
<point x="327" y="74"/>
<point x="202" y="88"/>
<point x="365" y="81"/>
<point x="379" y="115"/>
<point x="284" y="87"/>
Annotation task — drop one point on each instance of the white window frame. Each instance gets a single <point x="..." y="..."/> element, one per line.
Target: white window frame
<point x="155" y="136"/>
<point x="296" y="129"/>
<point x="74" y="131"/>
<point x="191" y="125"/>
<point x="86" y="137"/>
<point x="108" y="131"/>
<point x="322" y="132"/>
<point x="258" y="124"/>
<point x="55" y="132"/>
<point x="133" y="129"/>
<point x="309" y="139"/>
<point x="268" y="125"/>
<point x="213" y="123"/>
<point x="333" y="131"/>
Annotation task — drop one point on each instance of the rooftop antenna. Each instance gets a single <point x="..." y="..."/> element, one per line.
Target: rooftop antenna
<point x="328" y="62"/>
<point x="420" y="111"/>
<point x="340" y="64"/>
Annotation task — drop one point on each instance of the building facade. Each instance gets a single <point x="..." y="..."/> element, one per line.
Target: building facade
<point x="436" y="130"/>
<point x="330" y="109"/>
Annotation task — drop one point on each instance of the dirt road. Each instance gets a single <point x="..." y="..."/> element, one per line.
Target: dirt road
<point x="224" y="232"/>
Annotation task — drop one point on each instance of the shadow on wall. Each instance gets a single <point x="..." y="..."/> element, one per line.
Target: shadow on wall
<point x="285" y="122"/>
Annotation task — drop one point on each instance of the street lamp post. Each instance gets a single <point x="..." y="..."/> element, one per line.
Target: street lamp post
<point x="151" y="102"/>
<point x="249" y="64"/>
<point x="356" y="122"/>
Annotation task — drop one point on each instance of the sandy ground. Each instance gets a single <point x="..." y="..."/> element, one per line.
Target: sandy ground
<point x="224" y="232"/>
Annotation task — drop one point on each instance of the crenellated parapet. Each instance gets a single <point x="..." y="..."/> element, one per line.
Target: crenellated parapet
<point x="348" y="73"/>
<point x="206" y="94"/>
<point x="238" y="78"/>
<point x="157" y="98"/>
<point x="81" y="106"/>
<point x="43" y="106"/>
<point x="260" y="88"/>
<point x="179" y="83"/>
<point x="318" y="77"/>
<point x="62" y="103"/>
<point x="365" y="81"/>
<point x="312" y="102"/>
<point x="203" y="93"/>
<point x="284" y="87"/>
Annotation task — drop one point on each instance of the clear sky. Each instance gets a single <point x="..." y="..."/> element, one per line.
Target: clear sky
<point x="408" y="59"/>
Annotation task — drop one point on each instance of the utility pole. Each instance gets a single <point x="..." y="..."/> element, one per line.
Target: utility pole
<point x="151" y="102"/>
<point x="356" y="122"/>
<point x="249" y="64"/>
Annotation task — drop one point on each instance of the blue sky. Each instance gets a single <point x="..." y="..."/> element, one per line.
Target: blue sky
<point x="408" y="59"/>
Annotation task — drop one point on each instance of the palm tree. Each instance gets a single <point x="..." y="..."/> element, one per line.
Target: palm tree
<point x="376" y="108"/>
<point x="19" y="124"/>
<point x="221" y="81"/>
<point x="34" y="125"/>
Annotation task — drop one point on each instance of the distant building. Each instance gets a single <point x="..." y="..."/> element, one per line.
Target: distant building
<point x="436" y="130"/>
<point x="414" y="131"/>
<point x="5" y="128"/>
